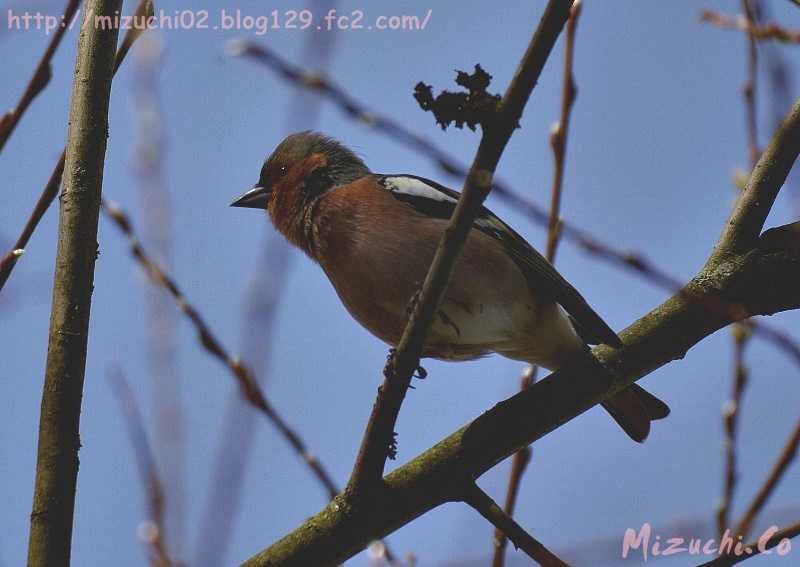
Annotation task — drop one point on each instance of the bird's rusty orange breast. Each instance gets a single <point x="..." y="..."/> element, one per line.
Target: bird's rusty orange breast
<point x="377" y="250"/>
<point x="363" y="257"/>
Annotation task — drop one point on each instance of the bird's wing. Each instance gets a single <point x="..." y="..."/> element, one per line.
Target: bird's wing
<point x="437" y="201"/>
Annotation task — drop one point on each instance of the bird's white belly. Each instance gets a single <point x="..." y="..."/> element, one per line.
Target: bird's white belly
<point x="482" y="325"/>
<point x="533" y="332"/>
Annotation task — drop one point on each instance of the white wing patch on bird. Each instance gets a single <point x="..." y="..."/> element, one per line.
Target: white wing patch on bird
<point x="440" y="201"/>
<point x="416" y="187"/>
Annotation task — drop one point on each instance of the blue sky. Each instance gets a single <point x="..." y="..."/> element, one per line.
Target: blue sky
<point x="657" y="132"/>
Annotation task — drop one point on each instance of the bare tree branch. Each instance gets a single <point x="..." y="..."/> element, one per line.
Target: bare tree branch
<point x="741" y="334"/>
<point x="402" y="363"/>
<point x="240" y="427"/>
<point x="50" y="190"/>
<point x="780" y="467"/>
<point x="161" y="323"/>
<point x="48" y="195"/>
<point x="250" y="389"/>
<point x="663" y="335"/>
<point x="749" y="88"/>
<point x="771" y="31"/>
<point x="558" y="143"/>
<point x="560" y="132"/>
<point x="59" y="437"/>
<point x="739" y="280"/>
<point x="766" y="180"/>
<point x="40" y="78"/>
<point x="148" y="471"/>
<point x="489" y="509"/>
<point x="519" y="463"/>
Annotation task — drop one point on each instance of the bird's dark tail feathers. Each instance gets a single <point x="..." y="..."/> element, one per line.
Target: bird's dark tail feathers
<point x="633" y="409"/>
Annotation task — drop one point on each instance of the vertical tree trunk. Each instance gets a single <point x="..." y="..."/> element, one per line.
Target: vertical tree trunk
<point x="57" y="461"/>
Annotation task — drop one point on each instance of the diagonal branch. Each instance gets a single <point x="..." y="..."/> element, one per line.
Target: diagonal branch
<point x="762" y="32"/>
<point x="740" y="331"/>
<point x="730" y="414"/>
<point x="50" y="190"/>
<point x="40" y="78"/>
<point x="372" y="455"/>
<point x="750" y="87"/>
<point x="558" y="143"/>
<point x="248" y="385"/>
<point x="169" y="427"/>
<point x="757" y="281"/>
<point x="489" y="509"/>
<point x="559" y="134"/>
<point x="146" y="463"/>
<point x="768" y="176"/>
<point x="519" y="464"/>
<point x="663" y="335"/>
<point x="780" y="467"/>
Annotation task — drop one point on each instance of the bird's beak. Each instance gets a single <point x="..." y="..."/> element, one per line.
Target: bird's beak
<point x="256" y="198"/>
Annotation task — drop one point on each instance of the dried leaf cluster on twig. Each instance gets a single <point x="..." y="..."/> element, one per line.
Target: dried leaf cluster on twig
<point x="471" y="108"/>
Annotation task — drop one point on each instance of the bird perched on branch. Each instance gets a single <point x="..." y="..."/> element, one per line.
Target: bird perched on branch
<point x="375" y="237"/>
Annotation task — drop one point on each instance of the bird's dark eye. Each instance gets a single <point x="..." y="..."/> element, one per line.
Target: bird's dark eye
<point x="284" y="170"/>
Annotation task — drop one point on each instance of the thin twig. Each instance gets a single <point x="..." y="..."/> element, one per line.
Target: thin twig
<point x="763" y="545"/>
<point x="402" y="363"/>
<point x="780" y="86"/>
<point x="558" y="143"/>
<point x="762" y="32"/>
<point x="560" y="132"/>
<point x="48" y="195"/>
<point x="161" y="321"/>
<point x="635" y="262"/>
<point x="749" y="88"/>
<point x="40" y="78"/>
<point x="50" y="190"/>
<point x="238" y="432"/>
<point x="488" y="508"/>
<point x="249" y="387"/>
<point x="756" y="200"/>
<point x="744" y="228"/>
<point x="741" y="334"/>
<point x="780" y="467"/>
<point x="519" y="463"/>
<point x="146" y="464"/>
<point x="779" y="76"/>
<point x="740" y="331"/>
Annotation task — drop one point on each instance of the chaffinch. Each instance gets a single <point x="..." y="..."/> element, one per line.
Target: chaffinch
<point x="375" y="237"/>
